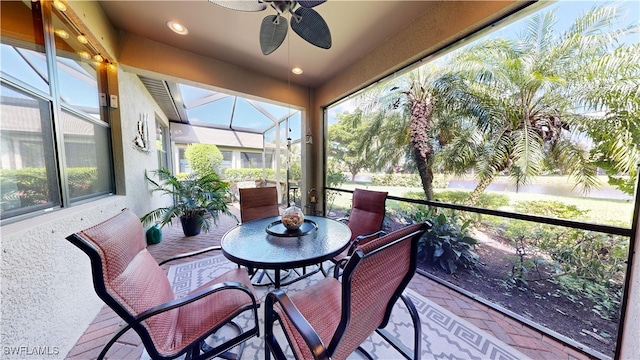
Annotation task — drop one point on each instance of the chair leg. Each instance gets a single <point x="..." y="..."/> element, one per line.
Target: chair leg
<point x="227" y="355"/>
<point x="113" y="340"/>
<point x="270" y="341"/>
<point x="417" y="332"/>
<point x="364" y="353"/>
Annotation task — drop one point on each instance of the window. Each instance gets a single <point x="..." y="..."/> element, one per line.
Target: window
<point x="49" y="157"/>
<point x="27" y="165"/>
<point x="510" y="123"/>
<point x="162" y="145"/>
<point x="251" y="160"/>
<point x="88" y="158"/>
<point x="227" y="159"/>
<point x="183" y="163"/>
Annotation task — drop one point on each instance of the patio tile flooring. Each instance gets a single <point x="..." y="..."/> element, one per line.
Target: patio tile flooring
<point x="525" y="339"/>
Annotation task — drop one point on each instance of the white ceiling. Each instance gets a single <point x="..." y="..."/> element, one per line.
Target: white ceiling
<point x="357" y="27"/>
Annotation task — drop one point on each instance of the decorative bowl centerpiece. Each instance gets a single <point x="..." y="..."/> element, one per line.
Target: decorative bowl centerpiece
<point x="292" y="218"/>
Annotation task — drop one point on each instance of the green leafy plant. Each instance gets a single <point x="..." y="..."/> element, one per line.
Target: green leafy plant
<point x="555" y="209"/>
<point x="440" y="181"/>
<point x="196" y="198"/>
<point x="203" y="158"/>
<point x="448" y="244"/>
<point x="244" y="174"/>
<point x="335" y="178"/>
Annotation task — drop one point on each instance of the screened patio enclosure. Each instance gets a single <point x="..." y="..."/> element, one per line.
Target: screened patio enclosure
<point x="260" y="141"/>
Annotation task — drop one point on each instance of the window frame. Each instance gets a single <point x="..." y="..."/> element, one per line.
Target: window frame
<point x="62" y="198"/>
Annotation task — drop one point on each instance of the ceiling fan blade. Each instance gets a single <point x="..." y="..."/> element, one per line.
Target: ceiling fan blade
<point x="311" y="27"/>
<point x="240" y="5"/>
<point x="272" y="33"/>
<point x="311" y="3"/>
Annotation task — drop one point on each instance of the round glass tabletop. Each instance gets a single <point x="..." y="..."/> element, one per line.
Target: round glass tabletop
<point x="251" y="245"/>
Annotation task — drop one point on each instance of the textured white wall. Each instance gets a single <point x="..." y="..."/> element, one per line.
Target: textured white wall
<point x="47" y="299"/>
<point x="134" y="102"/>
<point x="47" y="293"/>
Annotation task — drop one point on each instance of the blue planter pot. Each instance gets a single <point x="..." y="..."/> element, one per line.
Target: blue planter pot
<point x="190" y="226"/>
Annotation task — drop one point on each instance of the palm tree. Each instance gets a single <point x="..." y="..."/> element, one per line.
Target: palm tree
<point x="530" y="88"/>
<point x="345" y="140"/>
<point x="616" y="130"/>
<point x="406" y="111"/>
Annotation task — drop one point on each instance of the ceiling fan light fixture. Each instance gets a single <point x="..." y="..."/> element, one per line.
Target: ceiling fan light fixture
<point x="241" y="5"/>
<point x="273" y="30"/>
<point x="177" y="28"/>
<point x="305" y="22"/>
<point x="296" y="70"/>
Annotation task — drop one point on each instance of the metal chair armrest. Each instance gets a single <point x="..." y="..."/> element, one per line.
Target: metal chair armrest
<point x="357" y="240"/>
<point x="189" y="254"/>
<point x="337" y="269"/>
<point x="310" y="336"/>
<point x="170" y="305"/>
<point x="177" y="303"/>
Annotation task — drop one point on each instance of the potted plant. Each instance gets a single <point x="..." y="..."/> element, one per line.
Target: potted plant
<point x="197" y="199"/>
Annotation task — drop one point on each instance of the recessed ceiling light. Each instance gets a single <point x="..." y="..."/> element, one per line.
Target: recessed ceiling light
<point x="59" y="5"/>
<point x="82" y="39"/>
<point x="177" y="28"/>
<point x="98" y="58"/>
<point x="84" y="55"/>
<point x="296" y="70"/>
<point x="62" y="34"/>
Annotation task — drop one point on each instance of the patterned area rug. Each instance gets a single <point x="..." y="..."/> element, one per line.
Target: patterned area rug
<point x="444" y="335"/>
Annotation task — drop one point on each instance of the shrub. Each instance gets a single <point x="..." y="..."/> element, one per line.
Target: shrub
<point x="487" y="201"/>
<point x="447" y="244"/>
<point x="402" y="180"/>
<point x="589" y="263"/>
<point x="549" y="208"/>
<point x="407" y="180"/>
<point x="203" y="158"/>
<point x="245" y="174"/>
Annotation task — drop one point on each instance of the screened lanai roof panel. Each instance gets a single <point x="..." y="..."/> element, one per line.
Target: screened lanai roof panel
<point x="191" y="94"/>
<point x="248" y="117"/>
<point x="206" y="107"/>
<point x="276" y="111"/>
<point x="213" y="113"/>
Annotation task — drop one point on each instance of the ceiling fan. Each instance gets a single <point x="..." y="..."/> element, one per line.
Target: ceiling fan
<point x="305" y="21"/>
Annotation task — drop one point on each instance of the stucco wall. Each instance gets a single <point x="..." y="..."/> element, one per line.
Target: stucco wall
<point x="47" y="295"/>
<point x="47" y="298"/>
<point x="135" y="102"/>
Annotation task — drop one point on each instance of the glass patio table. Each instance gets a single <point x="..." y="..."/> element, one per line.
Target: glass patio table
<point x="251" y="244"/>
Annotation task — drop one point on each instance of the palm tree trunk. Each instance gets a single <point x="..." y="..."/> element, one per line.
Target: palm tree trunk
<point x="422" y="151"/>
<point x="426" y="173"/>
<point x="480" y="188"/>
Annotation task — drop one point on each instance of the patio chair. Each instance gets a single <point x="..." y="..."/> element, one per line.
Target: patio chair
<point x="331" y="319"/>
<point x="365" y="220"/>
<point x="128" y="279"/>
<point x="258" y="203"/>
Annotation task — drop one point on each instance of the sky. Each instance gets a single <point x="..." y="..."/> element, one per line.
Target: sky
<point x="566" y="12"/>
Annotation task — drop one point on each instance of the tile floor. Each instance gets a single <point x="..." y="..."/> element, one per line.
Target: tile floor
<point x="525" y="339"/>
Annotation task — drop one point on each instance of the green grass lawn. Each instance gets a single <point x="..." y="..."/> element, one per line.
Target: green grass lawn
<point x="598" y="211"/>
